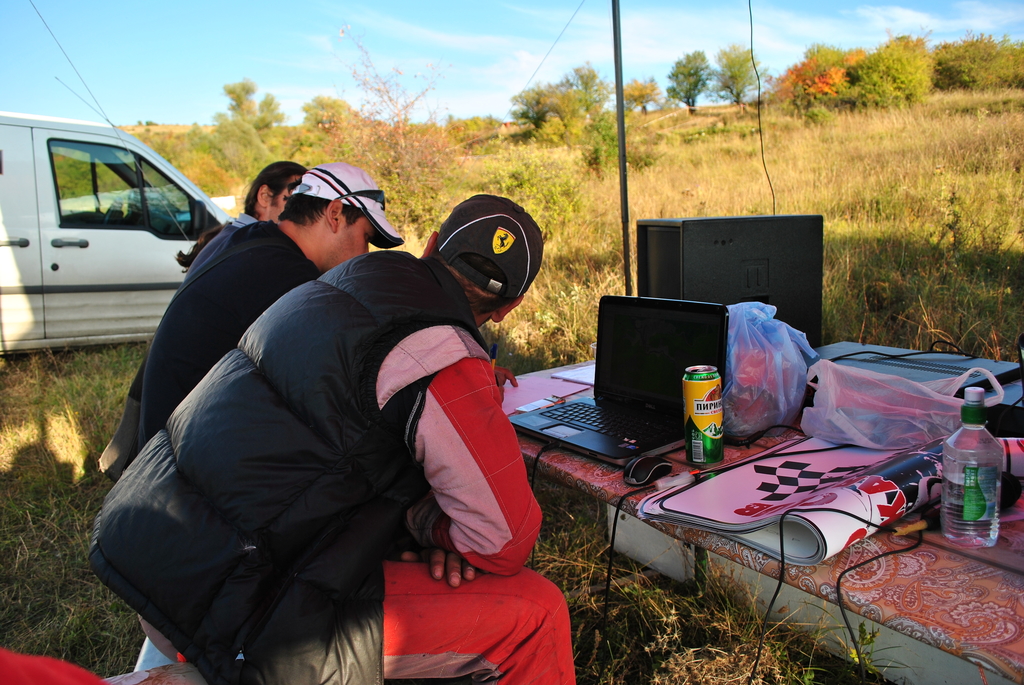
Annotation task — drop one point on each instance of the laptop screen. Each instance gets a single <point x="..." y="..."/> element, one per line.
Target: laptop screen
<point x="644" y="346"/>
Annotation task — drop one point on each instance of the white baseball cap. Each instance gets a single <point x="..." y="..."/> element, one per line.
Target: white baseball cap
<point x="354" y="187"/>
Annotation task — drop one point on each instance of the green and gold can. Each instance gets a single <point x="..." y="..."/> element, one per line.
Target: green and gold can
<point x="702" y="396"/>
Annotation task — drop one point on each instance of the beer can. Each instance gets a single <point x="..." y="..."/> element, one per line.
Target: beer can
<point x="702" y="397"/>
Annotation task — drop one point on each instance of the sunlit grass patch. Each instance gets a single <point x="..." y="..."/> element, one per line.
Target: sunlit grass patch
<point x="57" y="411"/>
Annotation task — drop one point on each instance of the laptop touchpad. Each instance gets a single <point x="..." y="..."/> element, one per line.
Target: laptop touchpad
<point x="561" y="431"/>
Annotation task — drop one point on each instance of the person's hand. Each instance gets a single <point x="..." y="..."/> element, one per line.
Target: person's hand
<point x="501" y="374"/>
<point x="444" y="565"/>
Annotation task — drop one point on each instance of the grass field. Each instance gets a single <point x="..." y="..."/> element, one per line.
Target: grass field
<point x="924" y="234"/>
<point x="57" y="412"/>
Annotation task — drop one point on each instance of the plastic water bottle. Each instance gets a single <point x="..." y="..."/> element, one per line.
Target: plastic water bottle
<point x="971" y="464"/>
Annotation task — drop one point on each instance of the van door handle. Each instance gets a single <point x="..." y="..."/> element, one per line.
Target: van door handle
<point x="60" y="242"/>
<point x="14" y="242"/>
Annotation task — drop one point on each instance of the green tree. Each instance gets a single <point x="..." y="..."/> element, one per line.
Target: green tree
<point x="532" y="107"/>
<point x="689" y="78"/>
<point x="479" y="134"/>
<point x="831" y="57"/>
<point x="897" y="73"/>
<point x="734" y="78"/>
<point x="977" y="63"/>
<point x="639" y="94"/>
<point x="592" y="91"/>
<point x="411" y="161"/>
<point x="559" y="112"/>
<point x="324" y="112"/>
<point x="239" y="142"/>
<point x="237" y="147"/>
<point x="243" y="106"/>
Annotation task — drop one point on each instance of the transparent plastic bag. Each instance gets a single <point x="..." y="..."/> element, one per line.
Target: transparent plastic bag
<point x="766" y="370"/>
<point x="880" y="411"/>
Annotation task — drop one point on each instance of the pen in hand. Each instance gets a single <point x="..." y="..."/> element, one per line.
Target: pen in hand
<point x="494" y="355"/>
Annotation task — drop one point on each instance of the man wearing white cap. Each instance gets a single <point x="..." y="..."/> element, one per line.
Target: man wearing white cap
<point x="332" y="215"/>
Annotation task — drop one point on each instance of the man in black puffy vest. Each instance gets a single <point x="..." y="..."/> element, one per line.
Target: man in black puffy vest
<point x="255" y="534"/>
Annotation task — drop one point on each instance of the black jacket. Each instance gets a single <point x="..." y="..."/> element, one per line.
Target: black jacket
<point x="257" y="522"/>
<point x="207" y="320"/>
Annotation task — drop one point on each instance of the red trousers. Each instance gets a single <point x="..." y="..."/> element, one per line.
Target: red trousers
<point x="516" y="627"/>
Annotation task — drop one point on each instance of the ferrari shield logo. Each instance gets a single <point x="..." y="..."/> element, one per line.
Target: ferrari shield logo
<point x="502" y="241"/>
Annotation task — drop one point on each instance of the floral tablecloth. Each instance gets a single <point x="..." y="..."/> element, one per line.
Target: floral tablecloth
<point x="968" y="603"/>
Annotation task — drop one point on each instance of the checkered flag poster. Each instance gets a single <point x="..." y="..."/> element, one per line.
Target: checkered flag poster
<point x="807" y="497"/>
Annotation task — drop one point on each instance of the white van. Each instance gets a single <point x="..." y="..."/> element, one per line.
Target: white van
<point x="90" y="222"/>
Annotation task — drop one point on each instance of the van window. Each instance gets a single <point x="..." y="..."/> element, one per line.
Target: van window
<point x="110" y="187"/>
<point x="167" y="208"/>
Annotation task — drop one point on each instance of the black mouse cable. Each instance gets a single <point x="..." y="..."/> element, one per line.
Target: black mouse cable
<point x="533" y="477"/>
<point x="611" y="552"/>
<point x="839" y="596"/>
<point x="842" y="606"/>
<point x="536" y="460"/>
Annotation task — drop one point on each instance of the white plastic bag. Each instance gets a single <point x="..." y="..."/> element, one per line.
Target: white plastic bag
<point x="765" y="372"/>
<point x="880" y="411"/>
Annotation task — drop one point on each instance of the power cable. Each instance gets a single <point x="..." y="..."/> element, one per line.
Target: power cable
<point x="839" y="596"/>
<point x="760" y="128"/>
<point x="535" y="71"/>
<point x="168" y="209"/>
<point x="533" y="477"/>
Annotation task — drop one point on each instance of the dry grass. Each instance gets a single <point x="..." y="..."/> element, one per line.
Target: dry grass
<point x="923" y="208"/>
<point x="924" y="226"/>
<point x="56" y="414"/>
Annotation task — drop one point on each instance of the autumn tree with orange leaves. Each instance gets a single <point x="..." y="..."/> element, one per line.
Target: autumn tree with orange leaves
<point x="821" y="79"/>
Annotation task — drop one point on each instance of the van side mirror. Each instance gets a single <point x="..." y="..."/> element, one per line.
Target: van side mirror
<point x="202" y="218"/>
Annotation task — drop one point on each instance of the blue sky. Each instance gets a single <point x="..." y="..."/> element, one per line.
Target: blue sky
<point x="167" y="61"/>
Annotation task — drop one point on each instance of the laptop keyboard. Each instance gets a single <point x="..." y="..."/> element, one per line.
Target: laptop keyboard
<point x="615" y="424"/>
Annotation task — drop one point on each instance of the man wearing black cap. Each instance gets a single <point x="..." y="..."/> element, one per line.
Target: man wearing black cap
<point x="260" y="532"/>
<point x="334" y="212"/>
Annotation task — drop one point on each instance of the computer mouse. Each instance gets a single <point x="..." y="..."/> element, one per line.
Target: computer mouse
<point x="645" y="470"/>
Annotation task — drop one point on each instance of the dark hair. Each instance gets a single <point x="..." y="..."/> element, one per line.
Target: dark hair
<point x="307" y="209"/>
<point x="186" y="258"/>
<point x="275" y="176"/>
<point x="480" y="301"/>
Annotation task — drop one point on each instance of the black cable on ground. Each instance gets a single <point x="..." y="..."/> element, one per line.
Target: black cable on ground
<point x="839" y="597"/>
<point x="611" y="552"/>
<point x="533" y="476"/>
<point x="842" y="607"/>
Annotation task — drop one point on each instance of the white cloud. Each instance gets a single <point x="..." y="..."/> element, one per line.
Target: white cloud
<point x="956" y="21"/>
<point x="480" y="70"/>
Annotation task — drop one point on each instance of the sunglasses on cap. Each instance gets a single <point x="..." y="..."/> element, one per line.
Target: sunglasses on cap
<point x="375" y="195"/>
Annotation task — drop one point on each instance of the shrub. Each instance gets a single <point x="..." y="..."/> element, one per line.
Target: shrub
<point x="978" y="63"/>
<point x="547" y="184"/>
<point x="897" y="73"/>
<point x="412" y="162"/>
<point x="601" y="144"/>
<point x="819" y="115"/>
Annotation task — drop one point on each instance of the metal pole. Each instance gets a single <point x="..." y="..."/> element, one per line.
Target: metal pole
<point x="620" y="116"/>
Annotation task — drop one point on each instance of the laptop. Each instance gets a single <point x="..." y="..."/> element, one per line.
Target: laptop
<point x="918" y="366"/>
<point x="644" y="346"/>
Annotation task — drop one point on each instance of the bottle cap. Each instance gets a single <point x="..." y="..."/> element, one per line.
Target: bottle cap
<point x="973" y="411"/>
